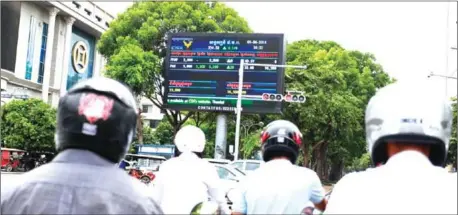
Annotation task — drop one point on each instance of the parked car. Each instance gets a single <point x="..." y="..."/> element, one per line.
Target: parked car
<point x="229" y="176"/>
<point x="246" y="165"/>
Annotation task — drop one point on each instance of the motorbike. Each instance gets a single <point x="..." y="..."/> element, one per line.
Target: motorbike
<point x="143" y="175"/>
<point x="208" y="207"/>
<point x="39" y="162"/>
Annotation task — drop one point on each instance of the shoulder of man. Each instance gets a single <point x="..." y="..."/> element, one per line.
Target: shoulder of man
<point x="305" y="172"/>
<point x="15" y="187"/>
<point x="143" y="194"/>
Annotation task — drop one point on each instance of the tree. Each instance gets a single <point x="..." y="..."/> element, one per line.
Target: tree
<point x="135" y="43"/>
<point x="148" y="137"/>
<point x="451" y="156"/>
<point x="163" y="134"/>
<point x="338" y="84"/>
<point x="361" y="163"/>
<point x="29" y="125"/>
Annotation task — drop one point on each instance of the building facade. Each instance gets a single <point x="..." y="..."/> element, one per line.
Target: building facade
<point x="47" y="47"/>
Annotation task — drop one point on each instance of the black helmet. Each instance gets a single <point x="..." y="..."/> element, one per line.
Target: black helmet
<point x="281" y="138"/>
<point x="98" y="115"/>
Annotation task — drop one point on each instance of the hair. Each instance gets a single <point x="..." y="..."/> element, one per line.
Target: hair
<point x="272" y="154"/>
<point x="178" y="153"/>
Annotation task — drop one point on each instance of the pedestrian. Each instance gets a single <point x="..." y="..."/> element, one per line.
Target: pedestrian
<point x="96" y="122"/>
<point x="408" y="129"/>
<point x="186" y="181"/>
<point x="279" y="186"/>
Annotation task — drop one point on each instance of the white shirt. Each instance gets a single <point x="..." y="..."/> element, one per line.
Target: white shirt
<point x="278" y="187"/>
<point x="407" y="184"/>
<point x="185" y="181"/>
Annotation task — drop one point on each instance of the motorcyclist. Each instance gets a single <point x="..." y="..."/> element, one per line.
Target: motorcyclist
<point x="96" y="122"/>
<point x="408" y="129"/>
<point x="187" y="180"/>
<point x="279" y="186"/>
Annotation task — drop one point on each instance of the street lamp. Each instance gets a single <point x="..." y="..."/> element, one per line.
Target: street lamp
<point x="249" y="125"/>
<point x="443" y="76"/>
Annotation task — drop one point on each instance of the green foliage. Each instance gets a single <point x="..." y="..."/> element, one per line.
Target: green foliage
<point x="148" y="138"/>
<point x="163" y="134"/>
<point x="338" y="84"/>
<point x="451" y="156"/>
<point x="135" y="43"/>
<point x="361" y="163"/>
<point x="250" y="144"/>
<point x="29" y="125"/>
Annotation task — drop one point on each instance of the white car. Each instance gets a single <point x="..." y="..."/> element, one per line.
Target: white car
<point x="217" y="161"/>
<point x="229" y="176"/>
<point x="246" y="165"/>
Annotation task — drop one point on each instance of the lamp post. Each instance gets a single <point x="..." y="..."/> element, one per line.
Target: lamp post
<point x="443" y="76"/>
<point x="238" y="109"/>
<point x="249" y="125"/>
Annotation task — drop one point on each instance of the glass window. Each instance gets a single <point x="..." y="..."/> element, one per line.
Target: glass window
<point x="223" y="173"/>
<point x="30" y="48"/>
<point x="145" y="108"/>
<point x="250" y="166"/>
<point x="154" y="123"/>
<point x="238" y="165"/>
<point x="44" y="39"/>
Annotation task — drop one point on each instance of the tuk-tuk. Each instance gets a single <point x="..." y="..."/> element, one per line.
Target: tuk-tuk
<point x="142" y="167"/>
<point x="11" y="158"/>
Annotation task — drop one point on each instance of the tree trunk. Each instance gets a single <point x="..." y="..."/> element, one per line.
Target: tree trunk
<point x="140" y="127"/>
<point x="305" y="150"/>
<point x="139" y="121"/>
<point x="320" y="160"/>
<point x="336" y="170"/>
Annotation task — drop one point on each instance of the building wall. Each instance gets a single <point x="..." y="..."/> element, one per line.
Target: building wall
<point x="151" y="114"/>
<point x="34" y="30"/>
<point x="58" y="47"/>
<point x="31" y="18"/>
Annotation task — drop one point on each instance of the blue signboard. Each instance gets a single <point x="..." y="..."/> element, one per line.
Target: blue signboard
<point x="81" y="57"/>
<point x="167" y="150"/>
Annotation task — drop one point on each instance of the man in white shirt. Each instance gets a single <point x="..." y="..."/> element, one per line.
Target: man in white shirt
<point x="279" y="186"/>
<point x="408" y="131"/>
<point x="187" y="180"/>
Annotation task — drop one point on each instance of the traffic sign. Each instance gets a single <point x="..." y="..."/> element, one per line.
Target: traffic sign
<point x="279" y="97"/>
<point x="288" y="98"/>
<point x="294" y="96"/>
<point x="265" y="96"/>
<point x="272" y="97"/>
<point x="301" y="98"/>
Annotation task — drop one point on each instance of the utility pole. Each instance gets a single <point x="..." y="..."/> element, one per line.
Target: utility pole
<point x="238" y="109"/>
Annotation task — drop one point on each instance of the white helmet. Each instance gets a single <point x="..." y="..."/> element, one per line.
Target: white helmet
<point x="406" y="112"/>
<point x="190" y="139"/>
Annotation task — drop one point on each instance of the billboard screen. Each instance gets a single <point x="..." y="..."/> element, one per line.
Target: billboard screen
<point x="202" y="71"/>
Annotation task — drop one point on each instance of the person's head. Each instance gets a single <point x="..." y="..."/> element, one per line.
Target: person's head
<point x="281" y="139"/>
<point x="99" y="115"/>
<point x="190" y="139"/>
<point x="408" y="117"/>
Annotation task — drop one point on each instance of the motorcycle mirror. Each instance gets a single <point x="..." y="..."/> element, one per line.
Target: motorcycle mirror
<point x="231" y="194"/>
<point x="208" y="207"/>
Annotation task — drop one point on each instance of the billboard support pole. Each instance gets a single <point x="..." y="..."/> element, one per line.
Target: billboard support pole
<point x="221" y="137"/>
<point x="238" y="109"/>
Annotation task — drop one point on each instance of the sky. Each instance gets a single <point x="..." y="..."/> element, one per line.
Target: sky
<point x="409" y="39"/>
